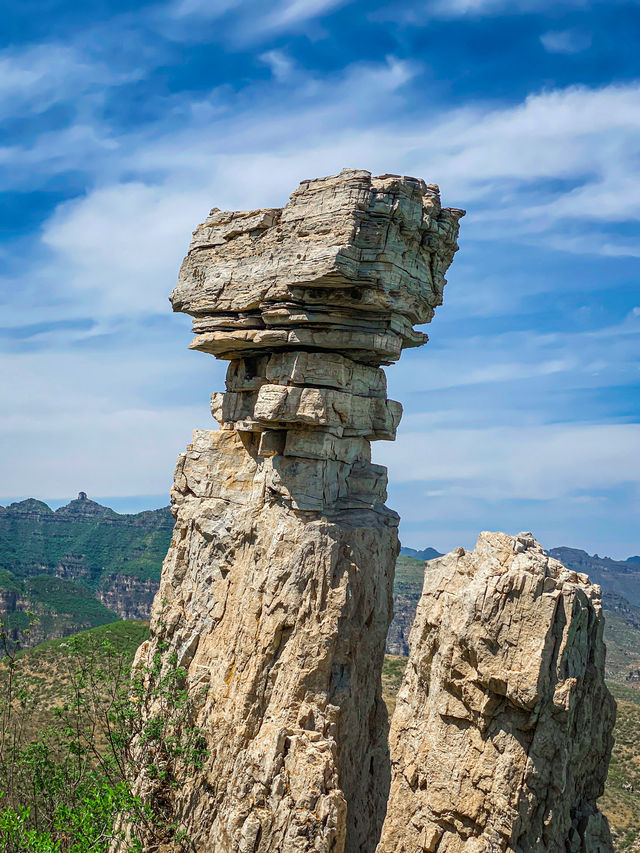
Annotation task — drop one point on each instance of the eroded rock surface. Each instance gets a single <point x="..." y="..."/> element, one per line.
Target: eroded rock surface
<point x="276" y="592"/>
<point x="501" y="736"/>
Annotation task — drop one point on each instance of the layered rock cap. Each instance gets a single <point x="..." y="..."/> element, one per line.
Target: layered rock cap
<point x="502" y="733"/>
<point x="351" y="264"/>
<point x="306" y="302"/>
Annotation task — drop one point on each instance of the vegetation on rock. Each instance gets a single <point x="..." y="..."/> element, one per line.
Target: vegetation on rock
<point x="46" y="674"/>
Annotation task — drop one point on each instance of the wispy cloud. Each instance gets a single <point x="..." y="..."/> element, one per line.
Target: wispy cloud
<point x="36" y="77"/>
<point x="546" y="462"/>
<point x="154" y="184"/>
<point x="258" y="19"/>
<point x="472" y="9"/>
<point x="292" y="12"/>
<point x="280" y="64"/>
<point x="565" y="41"/>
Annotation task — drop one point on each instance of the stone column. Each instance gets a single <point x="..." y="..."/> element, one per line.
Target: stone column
<point x="502" y="732"/>
<point x="276" y="592"/>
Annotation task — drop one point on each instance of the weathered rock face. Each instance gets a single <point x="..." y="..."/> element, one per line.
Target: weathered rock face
<point x="501" y="736"/>
<point x="276" y="591"/>
<point x="128" y="596"/>
<point x="349" y="266"/>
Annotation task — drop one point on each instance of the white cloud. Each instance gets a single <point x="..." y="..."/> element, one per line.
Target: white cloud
<point x="34" y="78"/>
<point x="546" y="462"/>
<point x="279" y="63"/>
<point x="114" y="420"/>
<point x="117" y="249"/>
<point x="257" y="18"/>
<point x="123" y="244"/>
<point x="291" y="12"/>
<point x="587" y="359"/>
<point x="565" y="41"/>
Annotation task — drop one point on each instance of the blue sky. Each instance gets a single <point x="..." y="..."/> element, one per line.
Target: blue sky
<point x="124" y="123"/>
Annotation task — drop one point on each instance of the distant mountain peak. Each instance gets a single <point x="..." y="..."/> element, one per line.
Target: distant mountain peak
<point x="617" y="577"/>
<point x="424" y="554"/>
<point x="83" y="505"/>
<point x="30" y="506"/>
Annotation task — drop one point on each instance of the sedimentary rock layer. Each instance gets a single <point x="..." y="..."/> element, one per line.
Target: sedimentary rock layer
<point x="349" y="265"/>
<point x="280" y="619"/>
<point x="501" y="736"/>
<point x="276" y="593"/>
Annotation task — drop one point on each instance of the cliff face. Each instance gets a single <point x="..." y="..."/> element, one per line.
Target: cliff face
<point x="276" y="592"/>
<point x="128" y="596"/>
<point x="501" y="736"/>
<point x="60" y="607"/>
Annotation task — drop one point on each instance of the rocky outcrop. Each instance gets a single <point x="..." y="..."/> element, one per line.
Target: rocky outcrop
<point x="276" y="592"/>
<point x="501" y="736"/>
<point x="129" y="596"/>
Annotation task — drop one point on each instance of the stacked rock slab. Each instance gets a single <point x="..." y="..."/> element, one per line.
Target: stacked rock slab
<point x="501" y="736"/>
<point x="276" y="592"/>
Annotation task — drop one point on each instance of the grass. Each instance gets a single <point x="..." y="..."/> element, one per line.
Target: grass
<point x="48" y="668"/>
<point x="621" y="805"/>
<point x="409" y="576"/>
<point x="125" y="637"/>
<point x="392" y="673"/>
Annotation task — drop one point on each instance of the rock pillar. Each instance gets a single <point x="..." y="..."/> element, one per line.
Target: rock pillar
<point x="276" y="593"/>
<point x="501" y="737"/>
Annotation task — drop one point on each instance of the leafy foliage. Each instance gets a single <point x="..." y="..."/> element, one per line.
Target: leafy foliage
<point x="69" y="754"/>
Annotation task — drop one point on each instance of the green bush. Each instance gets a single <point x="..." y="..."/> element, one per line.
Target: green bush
<point x="67" y="767"/>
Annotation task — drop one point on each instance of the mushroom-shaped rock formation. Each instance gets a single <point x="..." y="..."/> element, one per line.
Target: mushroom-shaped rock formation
<point x="276" y="592"/>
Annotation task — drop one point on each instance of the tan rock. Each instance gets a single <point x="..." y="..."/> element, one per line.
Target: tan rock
<point x="276" y="592"/>
<point x="350" y="264"/>
<point x="280" y="618"/>
<point x="501" y="736"/>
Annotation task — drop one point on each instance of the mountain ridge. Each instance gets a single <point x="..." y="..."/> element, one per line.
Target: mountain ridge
<point x="106" y="564"/>
<point x="115" y="560"/>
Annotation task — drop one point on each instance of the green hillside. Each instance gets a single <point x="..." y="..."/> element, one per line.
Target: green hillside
<point x="78" y="567"/>
<point x="82" y="540"/>
<point x="54" y="607"/>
